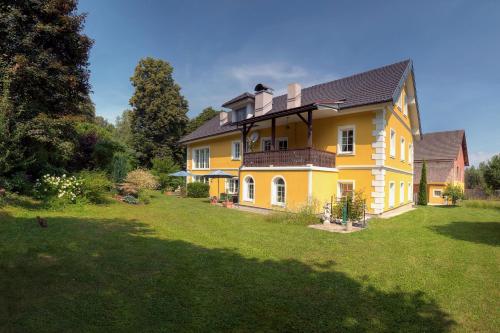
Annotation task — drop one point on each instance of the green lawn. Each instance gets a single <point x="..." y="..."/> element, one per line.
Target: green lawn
<point x="182" y="265"/>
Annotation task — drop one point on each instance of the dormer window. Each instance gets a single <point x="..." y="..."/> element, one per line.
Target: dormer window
<point x="240" y="114"/>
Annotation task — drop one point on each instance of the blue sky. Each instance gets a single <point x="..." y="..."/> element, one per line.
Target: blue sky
<point x="221" y="48"/>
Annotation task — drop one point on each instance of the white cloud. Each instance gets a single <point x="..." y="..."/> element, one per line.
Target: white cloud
<point x="477" y="157"/>
<point x="275" y="72"/>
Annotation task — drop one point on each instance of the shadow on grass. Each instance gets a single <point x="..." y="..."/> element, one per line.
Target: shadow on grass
<point x="117" y="275"/>
<point x="476" y="232"/>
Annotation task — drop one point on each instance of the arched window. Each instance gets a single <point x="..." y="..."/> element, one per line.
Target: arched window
<point x="249" y="189"/>
<point x="278" y="195"/>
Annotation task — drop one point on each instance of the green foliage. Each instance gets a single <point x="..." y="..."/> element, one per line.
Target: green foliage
<point x="491" y="172"/>
<point x="305" y="215"/>
<point x="494" y="204"/>
<point x="57" y="191"/>
<point x="422" y="189"/>
<point x="44" y="86"/>
<point x="159" y="112"/>
<point x="453" y="192"/>
<point x="17" y="183"/>
<point x="205" y="115"/>
<point x="198" y="190"/>
<point x="123" y="128"/>
<point x="130" y="200"/>
<point x="120" y="166"/>
<point x="162" y="167"/>
<point x="474" y="178"/>
<point x="95" y="186"/>
<point x="355" y="206"/>
<point x="142" y="179"/>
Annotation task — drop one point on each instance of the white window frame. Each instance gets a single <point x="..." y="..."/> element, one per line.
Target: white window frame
<point x="434" y="193"/>
<point x="345" y="181"/>
<point x="193" y="156"/>
<point x="199" y="179"/>
<point x="392" y="143"/>
<point x="410" y="191"/>
<point x="403" y="148"/>
<point x="339" y="140"/>
<point x="228" y="186"/>
<point x="392" y="196"/>
<point x="401" y="192"/>
<point x="233" y="150"/>
<point x="274" y="188"/>
<point x="263" y="140"/>
<point x="282" y="139"/>
<point x="410" y="153"/>
<point x="245" y="189"/>
<point x="238" y="111"/>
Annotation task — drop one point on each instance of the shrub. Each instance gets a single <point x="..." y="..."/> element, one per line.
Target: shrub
<point x="143" y="179"/>
<point x="422" y="187"/>
<point x="453" y="192"/>
<point x="130" y="200"/>
<point x="120" y="167"/>
<point x="19" y="182"/>
<point x="162" y="167"/>
<point x="58" y="190"/>
<point x="355" y="207"/>
<point x="198" y="190"/>
<point x="305" y="215"/>
<point x="95" y="185"/>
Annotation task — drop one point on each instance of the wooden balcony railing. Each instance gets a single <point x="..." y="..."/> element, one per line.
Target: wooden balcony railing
<point x="291" y="157"/>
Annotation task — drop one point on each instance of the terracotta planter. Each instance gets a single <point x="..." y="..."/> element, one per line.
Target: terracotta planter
<point x="228" y="204"/>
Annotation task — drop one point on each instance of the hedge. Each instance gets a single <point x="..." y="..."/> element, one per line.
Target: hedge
<point x="198" y="190"/>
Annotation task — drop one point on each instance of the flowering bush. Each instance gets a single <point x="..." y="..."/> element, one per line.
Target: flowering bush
<point x="142" y="179"/>
<point x="65" y="189"/>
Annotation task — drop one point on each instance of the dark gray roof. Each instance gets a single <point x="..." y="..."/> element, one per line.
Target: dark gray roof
<point x="371" y="87"/>
<point x="441" y="146"/>
<point x="238" y="98"/>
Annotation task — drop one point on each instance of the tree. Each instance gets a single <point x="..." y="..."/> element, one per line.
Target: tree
<point x="159" y="112"/>
<point x="491" y="172"/>
<point x="473" y="178"/>
<point x="205" y="115"/>
<point x="123" y="127"/>
<point x="422" y="188"/>
<point x="44" y="84"/>
<point x="453" y="192"/>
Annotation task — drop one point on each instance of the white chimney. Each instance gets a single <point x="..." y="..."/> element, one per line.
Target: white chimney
<point x="224" y="117"/>
<point x="294" y="96"/>
<point x="263" y="99"/>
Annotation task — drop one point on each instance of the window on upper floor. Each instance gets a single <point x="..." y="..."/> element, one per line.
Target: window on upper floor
<point x="201" y="158"/>
<point x="346" y="139"/>
<point x="283" y="144"/>
<point x="393" y="143"/>
<point x="403" y="149"/>
<point x="240" y="114"/>
<point x="266" y="144"/>
<point x="236" y="150"/>
<point x="410" y="153"/>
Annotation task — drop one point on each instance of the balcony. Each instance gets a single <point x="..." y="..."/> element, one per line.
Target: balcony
<point x="291" y="157"/>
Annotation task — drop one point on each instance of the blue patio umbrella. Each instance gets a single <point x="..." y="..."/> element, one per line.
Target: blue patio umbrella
<point x="218" y="174"/>
<point x="181" y="173"/>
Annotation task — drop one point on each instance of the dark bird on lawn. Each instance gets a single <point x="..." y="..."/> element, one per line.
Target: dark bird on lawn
<point x="42" y="222"/>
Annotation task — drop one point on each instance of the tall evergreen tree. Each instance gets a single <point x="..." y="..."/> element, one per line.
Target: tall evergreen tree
<point x="44" y="83"/>
<point x="159" y="112"/>
<point x="422" y="187"/>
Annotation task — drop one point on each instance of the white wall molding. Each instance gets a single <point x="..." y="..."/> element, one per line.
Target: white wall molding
<point x="290" y="168"/>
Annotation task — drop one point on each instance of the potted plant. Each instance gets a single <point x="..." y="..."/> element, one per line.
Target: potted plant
<point x="213" y="200"/>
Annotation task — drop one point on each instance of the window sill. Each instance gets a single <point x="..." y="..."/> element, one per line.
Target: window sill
<point x="235" y="159"/>
<point x="346" y="154"/>
<point x="200" y="169"/>
<point x="248" y="200"/>
<point x="275" y="204"/>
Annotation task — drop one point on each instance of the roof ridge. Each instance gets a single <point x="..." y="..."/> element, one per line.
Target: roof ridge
<point x="353" y="75"/>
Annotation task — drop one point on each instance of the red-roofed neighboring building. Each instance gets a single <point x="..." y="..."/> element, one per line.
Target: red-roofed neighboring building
<point x="445" y="155"/>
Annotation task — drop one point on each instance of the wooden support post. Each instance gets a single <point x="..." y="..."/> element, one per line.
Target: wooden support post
<point x="309" y="129"/>
<point x="273" y="134"/>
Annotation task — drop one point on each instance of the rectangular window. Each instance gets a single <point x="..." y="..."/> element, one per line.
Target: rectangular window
<point x="201" y="158"/>
<point x="266" y="144"/>
<point x="346" y="140"/>
<point x="392" y="194"/>
<point x="232" y="185"/>
<point x="346" y="189"/>
<point x="240" y="114"/>
<point x="437" y="193"/>
<point x="200" y="179"/>
<point x="283" y="144"/>
<point x="393" y="143"/>
<point x="236" y="150"/>
<point x="410" y="192"/>
<point x="403" y="149"/>
<point x="401" y="192"/>
<point x="410" y="153"/>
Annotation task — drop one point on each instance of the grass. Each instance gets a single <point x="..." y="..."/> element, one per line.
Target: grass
<point x="480" y="203"/>
<point x="184" y="265"/>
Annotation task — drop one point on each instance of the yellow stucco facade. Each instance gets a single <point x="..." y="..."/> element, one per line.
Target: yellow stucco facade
<point x="374" y="163"/>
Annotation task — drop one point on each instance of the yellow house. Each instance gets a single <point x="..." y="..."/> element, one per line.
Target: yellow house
<point x="315" y="143"/>
<point x="445" y="155"/>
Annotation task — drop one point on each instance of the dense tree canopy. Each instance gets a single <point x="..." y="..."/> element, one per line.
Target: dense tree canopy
<point x="159" y="112"/>
<point x="491" y="172"/>
<point x="206" y="114"/>
<point x="44" y="84"/>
